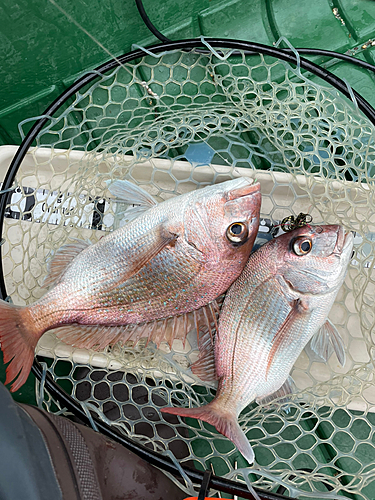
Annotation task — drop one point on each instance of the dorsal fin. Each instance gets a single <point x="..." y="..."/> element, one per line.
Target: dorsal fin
<point x="131" y="194"/>
<point x="97" y="337"/>
<point x="61" y="260"/>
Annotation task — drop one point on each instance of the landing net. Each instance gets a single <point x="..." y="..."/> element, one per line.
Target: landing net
<point x="171" y="124"/>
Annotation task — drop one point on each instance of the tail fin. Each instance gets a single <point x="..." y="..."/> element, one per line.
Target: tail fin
<point x="18" y="340"/>
<point x="224" y="422"/>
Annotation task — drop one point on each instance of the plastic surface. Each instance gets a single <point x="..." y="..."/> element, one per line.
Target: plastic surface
<point x="43" y="52"/>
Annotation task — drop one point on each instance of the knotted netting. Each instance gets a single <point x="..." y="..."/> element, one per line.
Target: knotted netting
<point x="172" y="123"/>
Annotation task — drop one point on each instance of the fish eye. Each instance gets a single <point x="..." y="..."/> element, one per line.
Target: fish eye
<point x="237" y="232"/>
<point x="302" y="246"/>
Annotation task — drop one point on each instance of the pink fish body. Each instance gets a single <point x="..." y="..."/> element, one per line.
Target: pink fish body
<point x="172" y="258"/>
<point x="280" y="301"/>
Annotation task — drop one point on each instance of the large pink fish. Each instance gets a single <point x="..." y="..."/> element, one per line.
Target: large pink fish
<point x="280" y="302"/>
<point x="173" y="258"/>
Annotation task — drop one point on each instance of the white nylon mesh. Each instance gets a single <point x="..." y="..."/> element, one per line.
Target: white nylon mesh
<point x="176" y="123"/>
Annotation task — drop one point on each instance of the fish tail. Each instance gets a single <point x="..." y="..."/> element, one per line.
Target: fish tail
<point x="18" y="339"/>
<point x="226" y="423"/>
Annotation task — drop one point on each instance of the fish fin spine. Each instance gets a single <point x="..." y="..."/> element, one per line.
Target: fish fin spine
<point x="94" y="337"/>
<point x="98" y="337"/>
<point x="336" y="341"/>
<point x="18" y="339"/>
<point x="225" y="423"/>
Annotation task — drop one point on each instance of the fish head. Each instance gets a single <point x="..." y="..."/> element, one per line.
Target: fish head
<point x="221" y="221"/>
<point x="314" y="259"/>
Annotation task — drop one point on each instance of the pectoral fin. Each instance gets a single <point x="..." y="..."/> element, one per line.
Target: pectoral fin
<point x="131" y="194"/>
<point x="148" y="246"/>
<point x="326" y="340"/>
<point x="286" y="330"/>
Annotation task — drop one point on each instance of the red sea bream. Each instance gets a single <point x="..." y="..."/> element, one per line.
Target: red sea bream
<point x="172" y="258"/>
<point x="281" y="300"/>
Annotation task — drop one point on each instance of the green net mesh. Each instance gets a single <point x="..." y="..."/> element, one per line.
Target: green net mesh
<point x="175" y="123"/>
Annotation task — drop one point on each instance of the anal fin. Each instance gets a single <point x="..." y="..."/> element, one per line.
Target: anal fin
<point x="95" y="337"/>
<point x="282" y="394"/>
<point x="178" y="327"/>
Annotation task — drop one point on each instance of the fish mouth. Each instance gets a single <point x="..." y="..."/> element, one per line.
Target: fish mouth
<point x="245" y="186"/>
<point x="348" y="243"/>
<point x="243" y="201"/>
<point x="344" y="241"/>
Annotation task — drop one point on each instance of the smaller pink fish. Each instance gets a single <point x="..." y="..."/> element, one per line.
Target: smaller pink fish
<point x="280" y="302"/>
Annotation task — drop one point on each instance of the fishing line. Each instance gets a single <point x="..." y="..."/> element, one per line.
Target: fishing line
<point x="71" y="19"/>
<point x="140" y="82"/>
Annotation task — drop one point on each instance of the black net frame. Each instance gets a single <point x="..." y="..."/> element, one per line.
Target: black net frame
<point x="64" y="399"/>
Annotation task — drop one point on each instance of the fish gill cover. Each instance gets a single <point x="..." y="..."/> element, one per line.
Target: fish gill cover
<point x="175" y="123"/>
